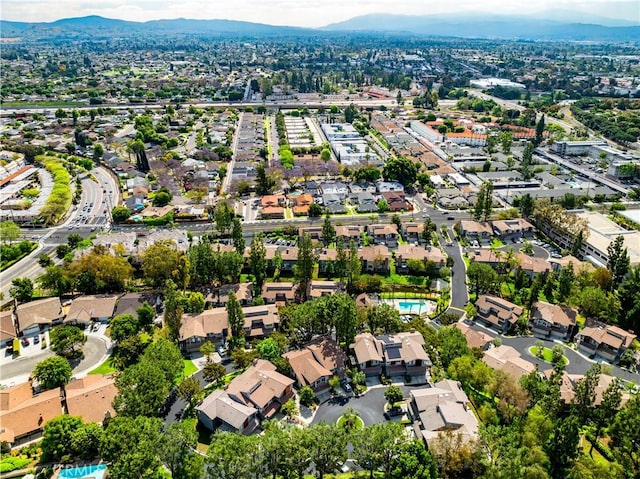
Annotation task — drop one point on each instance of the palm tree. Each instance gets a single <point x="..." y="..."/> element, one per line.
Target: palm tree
<point x="351" y="419"/>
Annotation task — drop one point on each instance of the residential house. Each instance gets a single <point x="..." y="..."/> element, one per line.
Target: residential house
<point x="117" y="241"/>
<point x="412" y="232"/>
<point x="405" y="356"/>
<point x="288" y="255"/>
<point x="86" y="309"/>
<point x="497" y="313"/>
<point x="349" y="233"/>
<point x="130" y="302"/>
<point x="7" y="328"/>
<point x="559" y="263"/>
<point x="262" y="387"/>
<point x="24" y="414"/>
<point x="569" y="381"/>
<point x="356" y="188"/>
<point x="311" y="188"/>
<point x="91" y="397"/>
<point x="608" y="342"/>
<point x="389" y="186"/>
<point x="507" y="359"/>
<point x="396" y="201"/>
<point x="443" y="407"/>
<point x="475" y="230"/>
<point x="333" y="203"/>
<point x="317" y="289"/>
<point x="364" y="202"/>
<point x="195" y="329"/>
<point x="273" y="200"/>
<point x="316" y="363"/>
<point x="38" y="315"/>
<point x="488" y="256"/>
<point x="408" y="252"/>
<point x="475" y="339"/>
<point x="514" y="228"/>
<point x="301" y="204"/>
<point x="260" y="321"/>
<point x="285" y="292"/>
<point x="375" y="259"/>
<point x="176" y="237"/>
<point x="386" y="233"/>
<point x="272" y="206"/>
<point x="336" y="188"/>
<point x="220" y="296"/>
<point x="326" y="261"/>
<point x="368" y="353"/>
<point x="532" y="265"/>
<point x="314" y="232"/>
<point x="219" y="412"/>
<point x="553" y="321"/>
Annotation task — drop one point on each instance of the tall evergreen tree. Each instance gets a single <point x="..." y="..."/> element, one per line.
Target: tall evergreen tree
<point x="328" y="231"/>
<point x="539" y="130"/>
<point x="173" y="310"/>
<point x="237" y="236"/>
<point x="235" y="318"/>
<point x="305" y="264"/>
<point x="618" y="264"/>
<point x="258" y="261"/>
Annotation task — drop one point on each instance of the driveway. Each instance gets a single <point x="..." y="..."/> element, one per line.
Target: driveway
<point x="370" y="406"/>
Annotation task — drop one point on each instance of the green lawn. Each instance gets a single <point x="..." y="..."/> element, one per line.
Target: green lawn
<point x="358" y="424"/>
<point x="104" y="368"/>
<point x="497" y="243"/>
<point x="547" y="355"/>
<point x="189" y="368"/>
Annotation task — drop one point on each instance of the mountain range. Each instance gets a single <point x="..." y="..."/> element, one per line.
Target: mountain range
<point x="590" y="28"/>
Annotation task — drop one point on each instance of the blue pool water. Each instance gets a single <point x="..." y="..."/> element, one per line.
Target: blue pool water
<point x="84" y="472"/>
<point x="413" y="306"/>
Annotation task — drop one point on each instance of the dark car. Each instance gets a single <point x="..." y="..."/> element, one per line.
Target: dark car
<point x="25" y="341"/>
<point x="451" y="218"/>
<point x="394" y="411"/>
<point x="36" y="340"/>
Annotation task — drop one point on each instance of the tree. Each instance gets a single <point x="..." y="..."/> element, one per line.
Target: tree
<point x="342" y="310"/>
<point x="67" y="341"/>
<point x="223" y="215"/>
<point x="162" y="261"/>
<point x="539" y="130"/>
<point x="328" y="231"/>
<point x="625" y="436"/>
<point x="166" y="356"/>
<point x="172" y="310"/>
<point x="305" y="265"/>
<point x="393" y="395"/>
<point x="429" y="227"/>
<point x="127" y="351"/>
<point x="21" y="289"/>
<point x="131" y="445"/>
<point x="122" y="326"/>
<point x="228" y="455"/>
<point x="482" y="277"/>
<point x="451" y="344"/>
<point x="214" y="372"/>
<point x="325" y="154"/>
<point x="414" y="462"/>
<point x="265" y="183"/>
<point x="52" y="372"/>
<point x="57" y="436"/>
<point x="354" y="266"/>
<point x="9" y="231"/>
<point x="190" y="391"/>
<point x="120" y="214"/>
<point x="85" y="440"/>
<point x="527" y="160"/>
<point x="506" y="141"/>
<point x="605" y="413"/>
<point x="401" y="169"/>
<point x="307" y="396"/>
<point x="177" y="451"/>
<point x="379" y="446"/>
<point x="484" y="202"/>
<point x="237" y="236"/>
<point x="618" y="263"/>
<point x="562" y="446"/>
<point x="384" y="317"/>
<point x="242" y="358"/>
<point x="161" y="198"/>
<point x="258" y="261"/>
<point x="565" y="282"/>
<point x="73" y="240"/>
<point x="577" y="243"/>
<point x="327" y="447"/>
<point x="143" y="389"/>
<point x="453" y="453"/>
<point x="526" y="205"/>
<point x="585" y="393"/>
<point x="207" y="349"/>
<point x="146" y="314"/>
<point x="383" y="206"/>
<point x="98" y="152"/>
<point x="315" y="210"/>
<point x="235" y="318"/>
<point x="289" y="409"/>
<point x="268" y="349"/>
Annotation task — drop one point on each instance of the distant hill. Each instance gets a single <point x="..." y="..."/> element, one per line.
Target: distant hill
<point x="469" y="25"/>
<point x="487" y="26"/>
<point x="107" y="26"/>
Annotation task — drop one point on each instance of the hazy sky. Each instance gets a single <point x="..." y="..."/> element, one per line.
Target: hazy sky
<point x="307" y="13"/>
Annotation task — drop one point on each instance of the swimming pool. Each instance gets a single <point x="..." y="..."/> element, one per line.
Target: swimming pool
<point x="84" y="472"/>
<point x="413" y="306"/>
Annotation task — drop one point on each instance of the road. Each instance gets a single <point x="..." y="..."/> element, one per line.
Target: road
<point x="236" y="136"/>
<point x="18" y="370"/>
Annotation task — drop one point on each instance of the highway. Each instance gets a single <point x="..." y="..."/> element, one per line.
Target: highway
<point x="586" y="172"/>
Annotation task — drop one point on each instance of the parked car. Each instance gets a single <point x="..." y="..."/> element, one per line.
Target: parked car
<point x="36" y="340"/>
<point x="25" y="341"/>
<point x="347" y="387"/>
<point x="393" y="412"/>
